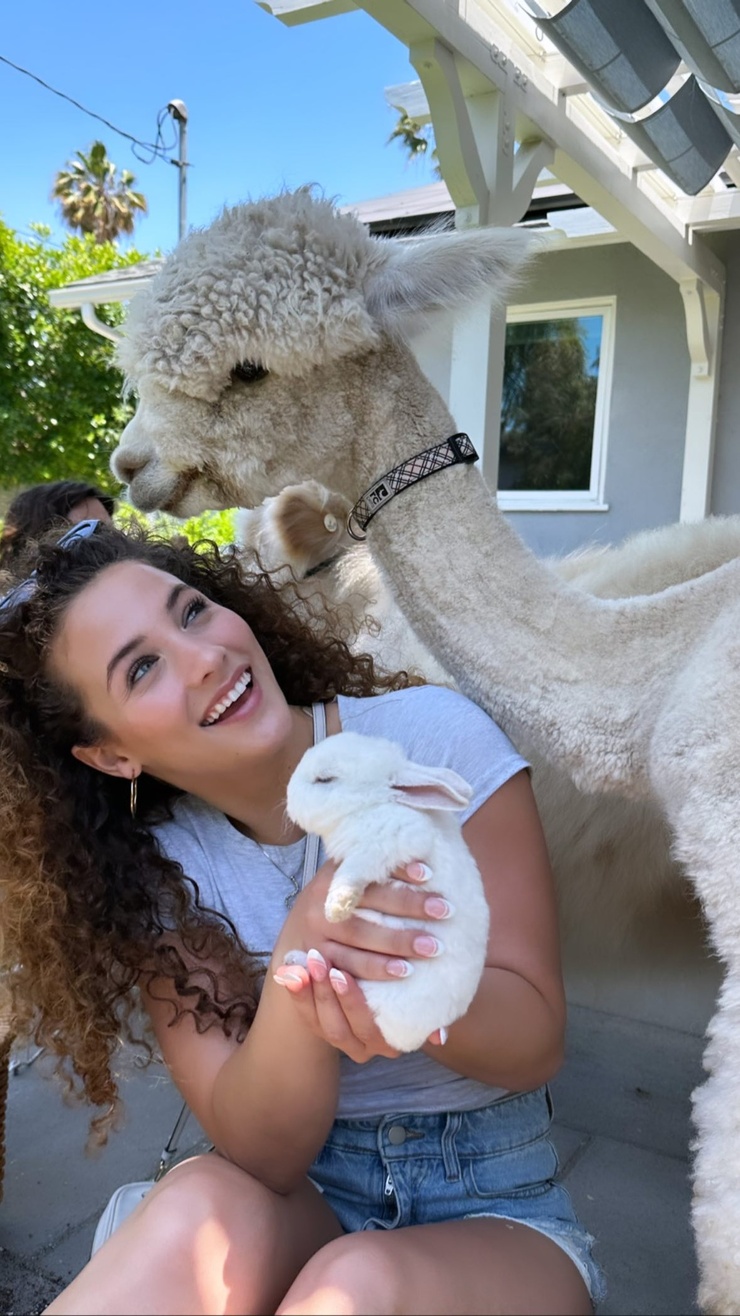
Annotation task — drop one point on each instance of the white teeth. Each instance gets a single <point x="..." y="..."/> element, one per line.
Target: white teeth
<point x="219" y="709"/>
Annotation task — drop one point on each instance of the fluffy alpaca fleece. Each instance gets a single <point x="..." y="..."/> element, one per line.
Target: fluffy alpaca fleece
<point x="376" y="811"/>
<point x="612" y="691"/>
<point x="611" y="857"/>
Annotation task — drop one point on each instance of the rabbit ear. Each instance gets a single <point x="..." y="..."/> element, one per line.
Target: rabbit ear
<point x="431" y="788"/>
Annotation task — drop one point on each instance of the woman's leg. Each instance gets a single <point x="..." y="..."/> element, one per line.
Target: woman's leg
<point x="483" y="1266"/>
<point x="208" y="1239"/>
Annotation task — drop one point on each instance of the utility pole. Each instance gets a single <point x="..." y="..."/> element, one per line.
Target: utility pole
<point x="179" y="112"/>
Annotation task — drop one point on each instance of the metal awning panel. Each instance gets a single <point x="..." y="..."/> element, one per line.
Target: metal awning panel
<point x="621" y="49"/>
<point x="685" y="138"/>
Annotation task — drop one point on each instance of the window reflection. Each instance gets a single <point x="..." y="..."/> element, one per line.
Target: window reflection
<point x="551" y="374"/>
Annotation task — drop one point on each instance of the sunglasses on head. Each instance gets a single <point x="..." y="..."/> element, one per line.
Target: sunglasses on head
<point x="20" y="593"/>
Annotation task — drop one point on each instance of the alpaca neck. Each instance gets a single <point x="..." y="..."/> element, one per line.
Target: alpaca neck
<point x="579" y="678"/>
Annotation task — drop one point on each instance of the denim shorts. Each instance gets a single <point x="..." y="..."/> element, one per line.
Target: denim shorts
<point x="403" y="1169"/>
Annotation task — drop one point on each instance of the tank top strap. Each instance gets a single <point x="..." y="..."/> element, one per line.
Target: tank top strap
<point x="311" y="857"/>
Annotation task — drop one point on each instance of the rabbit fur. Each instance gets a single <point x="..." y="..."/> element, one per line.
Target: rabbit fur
<point x="376" y="811"/>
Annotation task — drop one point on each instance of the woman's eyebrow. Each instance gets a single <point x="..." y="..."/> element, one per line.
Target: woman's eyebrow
<point x="130" y="645"/>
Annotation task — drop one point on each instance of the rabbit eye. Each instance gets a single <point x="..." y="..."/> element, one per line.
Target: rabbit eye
<point x="323" y="781"/>
<point x="249" y="372"/>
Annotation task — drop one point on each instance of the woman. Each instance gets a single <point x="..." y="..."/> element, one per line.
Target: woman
<point x="159" y="699"/>
<point x="35" y="511"/>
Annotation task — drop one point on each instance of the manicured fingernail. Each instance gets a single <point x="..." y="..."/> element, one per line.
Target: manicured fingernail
<point x="436" y="907"/>
<point x="443" y="1035"/>
<point x="338" y="982"/>
<point x="418" y="872"/>
<point x="288" y="978"/>
<point x="399" y="968"/>
<point x="316" y="965"/>
<point x="428" y="946"/>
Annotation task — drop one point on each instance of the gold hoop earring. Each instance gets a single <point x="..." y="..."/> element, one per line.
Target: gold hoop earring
<point x="134" y="794"/>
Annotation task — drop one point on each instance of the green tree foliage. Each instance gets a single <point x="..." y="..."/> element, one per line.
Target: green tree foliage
<point x="216" y="526"/>
<point x="61" y="410"/>
<point x="96" y="197"/>
<point x="548" y="407"/>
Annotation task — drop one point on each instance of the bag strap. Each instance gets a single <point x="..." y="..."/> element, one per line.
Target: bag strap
<point x="311" y="857"/>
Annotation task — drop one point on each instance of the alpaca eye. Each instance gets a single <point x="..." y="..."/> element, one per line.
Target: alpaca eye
<point x="323" y="781"/>
<point x="248" y="372"/>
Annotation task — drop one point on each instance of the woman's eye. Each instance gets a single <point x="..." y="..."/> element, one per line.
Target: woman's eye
<point x="192" y="609"/>
<point x="139" y="669"/>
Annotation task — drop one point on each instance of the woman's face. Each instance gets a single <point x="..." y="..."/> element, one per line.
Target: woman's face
<point x="180" y="685"/>
<point x="90" y="509"/>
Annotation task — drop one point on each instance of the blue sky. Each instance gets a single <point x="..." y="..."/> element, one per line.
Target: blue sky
<point x="269" y="106"/>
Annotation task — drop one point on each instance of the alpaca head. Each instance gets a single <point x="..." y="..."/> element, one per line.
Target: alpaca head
<point x="247" y="349"/>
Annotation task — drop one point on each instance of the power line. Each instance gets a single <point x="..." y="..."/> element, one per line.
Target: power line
<point x="44" y="238"/>
<point x="156" y="150"/>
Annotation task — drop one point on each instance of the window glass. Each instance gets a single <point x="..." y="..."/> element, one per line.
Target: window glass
<point x="551" y="376"/>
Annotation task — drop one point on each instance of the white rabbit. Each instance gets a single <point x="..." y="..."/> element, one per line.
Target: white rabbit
<point x="376" y="811"/>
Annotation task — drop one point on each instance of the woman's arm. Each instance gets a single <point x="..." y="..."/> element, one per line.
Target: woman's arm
<point x="513" y="1034"/>
<point x="268" y="1103"/>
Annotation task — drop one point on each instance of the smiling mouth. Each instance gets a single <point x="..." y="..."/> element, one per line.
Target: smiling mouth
<point x="230" y="700"/>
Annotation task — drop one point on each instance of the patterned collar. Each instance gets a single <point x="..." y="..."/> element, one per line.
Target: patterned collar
<point x="457" y="448"/>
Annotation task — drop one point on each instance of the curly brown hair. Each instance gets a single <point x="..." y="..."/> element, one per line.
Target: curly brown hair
<point x="35" y="511"/>
<point x="88" y="903"/>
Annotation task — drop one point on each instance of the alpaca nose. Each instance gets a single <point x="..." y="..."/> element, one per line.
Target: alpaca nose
<point x="126" y="464"/>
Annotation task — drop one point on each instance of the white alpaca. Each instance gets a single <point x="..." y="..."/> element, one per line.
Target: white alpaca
<point x="270" y="349"/>
<point x="376" y="811"/>
<point x="611" y="856"/>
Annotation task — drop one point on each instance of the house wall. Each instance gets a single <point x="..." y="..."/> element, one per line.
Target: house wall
<point x="647" y="408"/>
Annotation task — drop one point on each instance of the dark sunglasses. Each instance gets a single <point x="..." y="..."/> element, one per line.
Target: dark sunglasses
<point x="20" y="593"/>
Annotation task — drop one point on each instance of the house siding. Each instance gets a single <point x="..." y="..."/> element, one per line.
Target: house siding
<point x="647" y="408"/>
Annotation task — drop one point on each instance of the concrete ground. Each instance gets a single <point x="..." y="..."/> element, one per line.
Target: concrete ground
<point x="622" y="1130"/>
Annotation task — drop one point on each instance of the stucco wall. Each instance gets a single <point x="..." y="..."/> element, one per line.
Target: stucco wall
<point x="647" y="408"/>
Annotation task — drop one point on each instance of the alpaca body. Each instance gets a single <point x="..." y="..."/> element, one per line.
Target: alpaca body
<point x="611" y="692"/>
<point x="362" y="796"/>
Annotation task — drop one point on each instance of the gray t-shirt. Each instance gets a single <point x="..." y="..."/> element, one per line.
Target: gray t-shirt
<point x="434" y="725"/>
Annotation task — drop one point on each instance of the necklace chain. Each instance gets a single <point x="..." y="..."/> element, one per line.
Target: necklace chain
<point x="291" y="877"/>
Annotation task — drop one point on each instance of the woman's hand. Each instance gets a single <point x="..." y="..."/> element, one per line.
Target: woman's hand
<point x="362" y="948"/>
<point x="332" y="1006"/>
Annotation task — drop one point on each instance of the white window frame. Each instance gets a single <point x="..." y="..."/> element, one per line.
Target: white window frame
<point x="579" y="500"/>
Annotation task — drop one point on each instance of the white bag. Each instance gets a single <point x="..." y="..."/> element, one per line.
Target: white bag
<point x="126" y="1198"/>
<point x="121" y="1204"/>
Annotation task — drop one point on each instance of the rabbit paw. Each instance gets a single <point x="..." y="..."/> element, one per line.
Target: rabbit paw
<point x="340" y="904"/>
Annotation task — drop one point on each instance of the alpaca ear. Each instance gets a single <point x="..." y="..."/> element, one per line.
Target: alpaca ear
<point x="447" y="270"/>
<point x="431" y="788"/>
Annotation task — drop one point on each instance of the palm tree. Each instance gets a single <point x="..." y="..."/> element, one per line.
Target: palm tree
<point x="416" y="139"/>
<point x="95" y="197"/>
